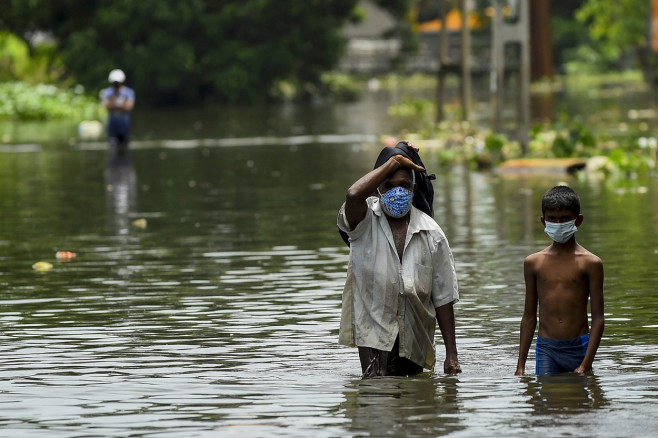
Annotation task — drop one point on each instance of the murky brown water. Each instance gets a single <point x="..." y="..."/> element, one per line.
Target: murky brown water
<point x="216" y="313"/>
<point x="220" y="316"/>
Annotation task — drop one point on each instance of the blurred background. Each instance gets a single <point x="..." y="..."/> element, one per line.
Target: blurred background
<point x="481" y="81"/>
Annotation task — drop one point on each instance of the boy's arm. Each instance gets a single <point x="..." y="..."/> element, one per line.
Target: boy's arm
<point x="529" y="319"/>
<point x="445" y="316"/>
<point x="595" y="277"/>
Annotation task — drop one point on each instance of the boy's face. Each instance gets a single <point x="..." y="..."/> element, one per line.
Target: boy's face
<point x="560" y="216"/>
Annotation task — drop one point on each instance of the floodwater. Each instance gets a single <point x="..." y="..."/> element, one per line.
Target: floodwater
<point x="205" y="296"/>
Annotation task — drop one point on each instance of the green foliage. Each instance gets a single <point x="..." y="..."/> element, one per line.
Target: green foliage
<point x="494" y="143"/>
<point x="340" y="85"/>
<point x="617" y="28"/>
<point x="628" y="163"/>
<point x="616" y="151"/>
<point x="633" y="155"/>
<point x="496" y="148"/>
<point x="568" y="137"/>
<point x="413" y="108"/>
<point x="24" y="102"/>
<point x="13" y="56"/>
<point x="591" y="58"/>
<point x="175" y="51"/>
<point x="20" y="62"/>
<point x="621" y="23"/>
<point x="446" y="157"/>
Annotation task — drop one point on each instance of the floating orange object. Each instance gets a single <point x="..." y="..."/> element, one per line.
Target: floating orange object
<point x="65" y="255"/>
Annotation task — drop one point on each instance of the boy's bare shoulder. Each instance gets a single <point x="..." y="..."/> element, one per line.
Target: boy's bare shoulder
<point x="534" y="260"/>
<point x="535" y="257"/>
<point x="589" y="257"/>
<point x="589" y="261"/>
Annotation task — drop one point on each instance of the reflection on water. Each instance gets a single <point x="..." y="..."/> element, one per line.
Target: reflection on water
<point x="564" y="394"/>
<point x="121" y="189"/>
<point x="396" y="406"/>
<point x="221" y="317"/>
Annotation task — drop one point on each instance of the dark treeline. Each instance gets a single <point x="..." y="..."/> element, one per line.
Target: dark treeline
<point x="195" y="50"/>
<point x="191" y="51"/>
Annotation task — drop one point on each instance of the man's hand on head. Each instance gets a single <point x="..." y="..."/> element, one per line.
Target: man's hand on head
<point x="406" y="162"/>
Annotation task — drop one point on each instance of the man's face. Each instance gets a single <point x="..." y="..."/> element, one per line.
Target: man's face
<point x="116" y="85"/>
<point x="401" y="178"/>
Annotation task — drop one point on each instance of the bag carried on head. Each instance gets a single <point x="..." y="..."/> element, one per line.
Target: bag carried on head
<point x="424" y="194"/>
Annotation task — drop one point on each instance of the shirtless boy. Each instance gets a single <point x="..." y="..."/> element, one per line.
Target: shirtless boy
<point x="560" y="280"/>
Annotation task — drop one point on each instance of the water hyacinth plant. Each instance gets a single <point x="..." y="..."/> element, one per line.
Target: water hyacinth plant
<point x="620" y="152"/>
<point x="21" y="101"/>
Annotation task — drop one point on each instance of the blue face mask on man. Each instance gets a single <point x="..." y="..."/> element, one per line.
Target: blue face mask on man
<point x="560" y="231"/>
<point x="397" y="201"/>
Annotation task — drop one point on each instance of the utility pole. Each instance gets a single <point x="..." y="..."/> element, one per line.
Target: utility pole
<point x="466" y="60"/>
<point x="447" y="66"/>
<point x="512" y="29"/>
<point x="541" y="55"/>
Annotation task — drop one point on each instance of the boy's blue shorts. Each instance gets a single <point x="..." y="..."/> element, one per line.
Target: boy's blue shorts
<point x="560" y="355"/>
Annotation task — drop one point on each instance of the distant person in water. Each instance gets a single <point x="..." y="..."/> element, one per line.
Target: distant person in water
<point x="119" y="100"/>
<point x="560" y="280"/>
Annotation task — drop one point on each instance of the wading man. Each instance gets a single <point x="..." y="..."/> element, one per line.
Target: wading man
<point x="401" y="277"/>
<point x="119" y="100"/>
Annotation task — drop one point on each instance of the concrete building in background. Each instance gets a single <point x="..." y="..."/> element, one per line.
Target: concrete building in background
<point x="368" y="52"/>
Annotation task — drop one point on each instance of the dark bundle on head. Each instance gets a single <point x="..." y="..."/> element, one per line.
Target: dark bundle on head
<point x="561" y="198"/>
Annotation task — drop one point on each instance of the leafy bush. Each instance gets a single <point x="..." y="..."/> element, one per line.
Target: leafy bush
<point x="40" y="102"/>
<point x="194" y="51"/>
<point x="620" y="152"/>
<point x="569" y="137"/>
<point x="41" y="64"/>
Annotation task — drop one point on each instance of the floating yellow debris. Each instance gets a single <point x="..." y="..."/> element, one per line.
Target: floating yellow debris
<point x="42" y="266"/>
<point x="139" y="223"/>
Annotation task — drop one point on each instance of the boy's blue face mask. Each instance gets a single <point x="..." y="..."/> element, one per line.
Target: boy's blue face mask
<point x="397" y="201"/>
<point x="561" y="231"/>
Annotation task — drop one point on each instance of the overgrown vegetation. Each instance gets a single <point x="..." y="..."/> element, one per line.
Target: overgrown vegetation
<point x="615" y="146"/>
<point x="194" y="52"/>
<point x="26" y="85"/>
<point x="40" y="102"/>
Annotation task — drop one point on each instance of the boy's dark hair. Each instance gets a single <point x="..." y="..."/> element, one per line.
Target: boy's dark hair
<point x="560" y="198"/>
